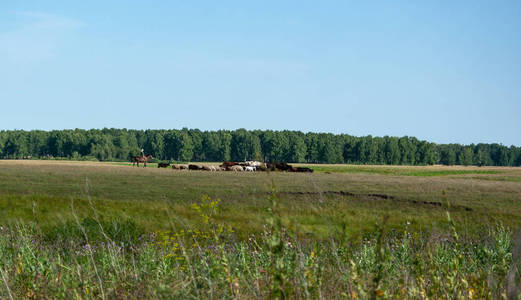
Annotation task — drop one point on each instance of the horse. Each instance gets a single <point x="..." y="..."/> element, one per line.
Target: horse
<point x="141" y="159"/>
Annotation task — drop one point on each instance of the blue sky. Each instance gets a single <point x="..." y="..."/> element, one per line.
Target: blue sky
<point x="445" y="71"/>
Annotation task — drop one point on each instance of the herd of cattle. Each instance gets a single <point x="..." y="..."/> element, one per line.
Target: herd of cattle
<point x="247" y="166"/>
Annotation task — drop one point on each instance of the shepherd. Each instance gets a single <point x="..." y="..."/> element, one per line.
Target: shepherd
<point x="141" y="159"/>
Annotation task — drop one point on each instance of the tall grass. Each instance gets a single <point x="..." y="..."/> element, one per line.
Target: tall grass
<point x="93" y="259"/>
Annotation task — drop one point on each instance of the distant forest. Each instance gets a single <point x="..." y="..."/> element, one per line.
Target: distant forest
<point x="239" y="145"/>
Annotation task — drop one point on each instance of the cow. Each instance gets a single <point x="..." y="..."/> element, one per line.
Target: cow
<point x="304" y="170"/>
<point x="227" y="164"/>
<point x="194" y="167"/>
<point x="183" y="167"/>
<point x="249" y="169"/>
<point x="271" y="166"/>
<point x="211" y="168"/>
<point x="254" y="163"/>
<point x="215" y="168"/>
<point x="236" y="168"/>
<point x="281" y="166"/>
<point x="163" y="165"/>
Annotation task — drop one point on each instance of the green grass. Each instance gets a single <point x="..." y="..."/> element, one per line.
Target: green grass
<point x="95" y="259"/>
<point x="98" y="230"/>
<point x="398" y="171"/>
<point x="43" y="192"/>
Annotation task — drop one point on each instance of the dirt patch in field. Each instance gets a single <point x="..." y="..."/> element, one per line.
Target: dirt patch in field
<point x="378" y="196"/>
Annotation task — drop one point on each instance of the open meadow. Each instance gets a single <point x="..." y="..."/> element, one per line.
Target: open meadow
<point x="121" y="231"/>
<point x="348" y="198"/>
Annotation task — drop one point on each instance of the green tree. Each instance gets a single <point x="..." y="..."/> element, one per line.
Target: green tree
<point x="297" y="147"/>
<point x="466" y="156"/>
<point x="392" y="151"/>
<point x="186" y="147"/>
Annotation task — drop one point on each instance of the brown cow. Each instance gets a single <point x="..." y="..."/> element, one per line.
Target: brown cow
<point x="180" y="167"/>
<point x="227" y="164"/>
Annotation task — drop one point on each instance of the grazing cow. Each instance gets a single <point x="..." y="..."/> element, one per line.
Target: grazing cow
<point x="163" y="165"/>
<point x="210" y="168"/>
<point x="249" y="169"/>
<point x="175" y="167"/>
<point x="304" y="170"/>
<point x="215" y="168"/>
<point x="194" y="167"/>
<point x="284" y="167"/>
<point x="236" y="168"/>
<point x="183" y="167"/>
<point x="254" y="163"/>
<point x="280" y="166"/>
<point x="227" y="164"/>
<point x="141" y="159"/>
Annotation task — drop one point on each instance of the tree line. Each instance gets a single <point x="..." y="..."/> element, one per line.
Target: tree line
<point x="111" y="144"/>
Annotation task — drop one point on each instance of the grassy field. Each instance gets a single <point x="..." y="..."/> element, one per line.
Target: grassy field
<point x="334" y="198"/>
<point x="108" y="230"/>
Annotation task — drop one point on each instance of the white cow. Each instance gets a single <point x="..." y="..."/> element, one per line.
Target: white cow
<point x="250" y="169"/>
<point x="214" y="168"/>
<point x="252" y="163"/>
<point x="236" y="168"/>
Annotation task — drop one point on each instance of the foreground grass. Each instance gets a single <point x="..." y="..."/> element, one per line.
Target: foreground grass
<point x="92" y="259"/>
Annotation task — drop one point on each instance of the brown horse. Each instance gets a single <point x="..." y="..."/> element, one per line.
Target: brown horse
<point x="141" y="159"/>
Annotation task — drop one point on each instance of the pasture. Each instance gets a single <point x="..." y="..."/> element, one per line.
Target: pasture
<point x="336" y="199"/>
<point x="88" y="230"/>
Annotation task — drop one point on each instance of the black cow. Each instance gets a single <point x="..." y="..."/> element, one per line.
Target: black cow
<point x="194" y="167"/>
<point x="163" y="165"/>
<point x="304" y="170"/>
<point x="280" y="166"/>
<point x="283" y="166"/>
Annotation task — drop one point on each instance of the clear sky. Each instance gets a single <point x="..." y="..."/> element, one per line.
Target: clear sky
<point x="445" y="71"/>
